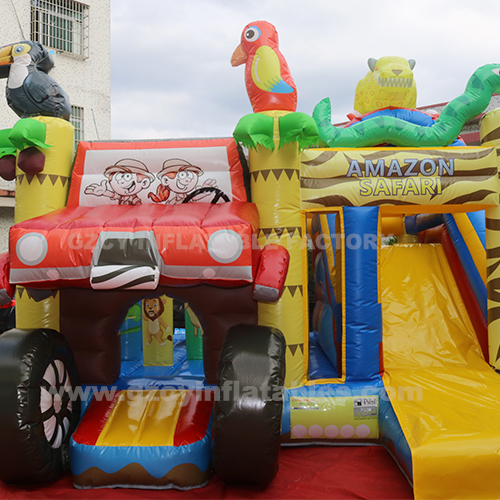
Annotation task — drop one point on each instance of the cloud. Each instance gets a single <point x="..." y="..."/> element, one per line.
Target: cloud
<point x="171" y="75"/>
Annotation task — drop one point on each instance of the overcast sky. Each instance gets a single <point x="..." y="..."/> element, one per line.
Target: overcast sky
<point x="171" y="75"/>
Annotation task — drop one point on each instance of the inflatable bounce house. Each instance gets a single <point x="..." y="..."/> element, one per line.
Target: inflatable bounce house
<point x="316" y="330"/>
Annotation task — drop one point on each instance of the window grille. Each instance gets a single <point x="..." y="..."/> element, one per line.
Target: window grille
<point x="61" y="25"/>
<point x="76" y="120"/>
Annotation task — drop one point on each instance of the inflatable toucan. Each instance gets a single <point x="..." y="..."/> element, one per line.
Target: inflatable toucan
<point x="30" y="90"/>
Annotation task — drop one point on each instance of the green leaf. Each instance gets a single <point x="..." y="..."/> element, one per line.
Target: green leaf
<point x="299" y="128"/>
<point x="6" y="146"/>
<point x="28" y="133"/>
<point x="255" y="129"/>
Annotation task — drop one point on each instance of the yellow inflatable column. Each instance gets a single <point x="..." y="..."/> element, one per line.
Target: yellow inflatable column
<point x="37" y="195"/>
<point x="275" y="187"/>
<point x="490" y="136"/>
<point x="158" y="331"/>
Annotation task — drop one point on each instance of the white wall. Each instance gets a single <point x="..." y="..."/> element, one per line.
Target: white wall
<point x="87" y="82"/>
<point x="6" y="220"/>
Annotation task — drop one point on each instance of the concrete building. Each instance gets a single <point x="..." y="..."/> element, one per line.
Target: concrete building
<point x="78" y="35"/>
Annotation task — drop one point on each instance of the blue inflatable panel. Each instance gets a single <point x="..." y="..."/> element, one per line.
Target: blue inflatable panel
<point x="183" y="374"/>
<point x="409" y="115"/>
<point x="320" y="277"/>
<point x="416" y="223"/>
<point x="363" y="312"/>
<point x="326" y="333"/>
<point x="315" y="226"/>
<point x="478" y="221"/>
<point x="151" y="458"/>
<point x="393" y="437"/>
<point x="475" y="280"/>
<point x="320" y="364"/>
<point x="329" y="228"/>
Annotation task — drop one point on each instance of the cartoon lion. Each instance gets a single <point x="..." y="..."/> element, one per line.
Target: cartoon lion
<point x="155" y="326"/>
<point x="197" y="329"/>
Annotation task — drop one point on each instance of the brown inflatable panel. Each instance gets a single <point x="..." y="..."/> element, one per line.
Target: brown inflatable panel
<point x="91" y="321"/>
<point x="183" y="476"/>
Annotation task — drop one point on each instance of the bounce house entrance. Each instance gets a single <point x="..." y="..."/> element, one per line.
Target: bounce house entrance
<point x="108" y="309"/>
<point x="325" y="297"/>
<point x="450" y="248"/>
<point x="164" y="337"/>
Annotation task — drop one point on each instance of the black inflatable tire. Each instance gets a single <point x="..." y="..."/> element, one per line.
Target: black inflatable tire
<point x="35" y="425"/>
<point x="249" y="407"/>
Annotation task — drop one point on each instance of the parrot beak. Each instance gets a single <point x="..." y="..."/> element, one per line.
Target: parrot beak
<point x="6" y="55"/>
<point x="239" y="56"/>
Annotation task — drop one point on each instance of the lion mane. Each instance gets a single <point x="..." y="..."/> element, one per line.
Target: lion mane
<point x="158" y="310"/>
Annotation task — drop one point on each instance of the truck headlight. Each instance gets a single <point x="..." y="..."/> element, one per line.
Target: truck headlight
<point x="31" y="248"/>
<point x="225" y="246"/>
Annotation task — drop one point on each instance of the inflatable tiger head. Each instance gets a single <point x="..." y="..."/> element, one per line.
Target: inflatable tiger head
<point x="389" y="82"/>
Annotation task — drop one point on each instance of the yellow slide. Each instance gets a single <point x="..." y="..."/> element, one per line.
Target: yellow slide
<point x="445" y="396"/>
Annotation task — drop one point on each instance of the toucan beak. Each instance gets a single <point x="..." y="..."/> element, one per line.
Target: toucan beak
<point x="6" y="55"/>
<point x="239" y="56"/>
<point x="6" y="60"/>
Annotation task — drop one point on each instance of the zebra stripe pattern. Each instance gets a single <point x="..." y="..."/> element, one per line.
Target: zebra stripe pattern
<point x="490" y="136"/>
<point x="371" y="177"/>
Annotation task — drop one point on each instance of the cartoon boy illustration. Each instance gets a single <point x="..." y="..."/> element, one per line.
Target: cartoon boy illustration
<point x="179" y="178"/>
<point x="125" y="179"/>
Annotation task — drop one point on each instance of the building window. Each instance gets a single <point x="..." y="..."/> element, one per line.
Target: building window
<point x="61" y="25"/>
<point x="77" y="122"/>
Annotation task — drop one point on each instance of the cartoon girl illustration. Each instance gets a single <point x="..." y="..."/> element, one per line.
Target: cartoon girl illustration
<point x="179" y="178"/>
<point x="125" y="179"/>
<point x="154" y="325"/>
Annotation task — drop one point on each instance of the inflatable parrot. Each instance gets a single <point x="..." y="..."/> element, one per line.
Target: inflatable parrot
<point x="269" y="83"/>
<point x="272" y="93"/>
